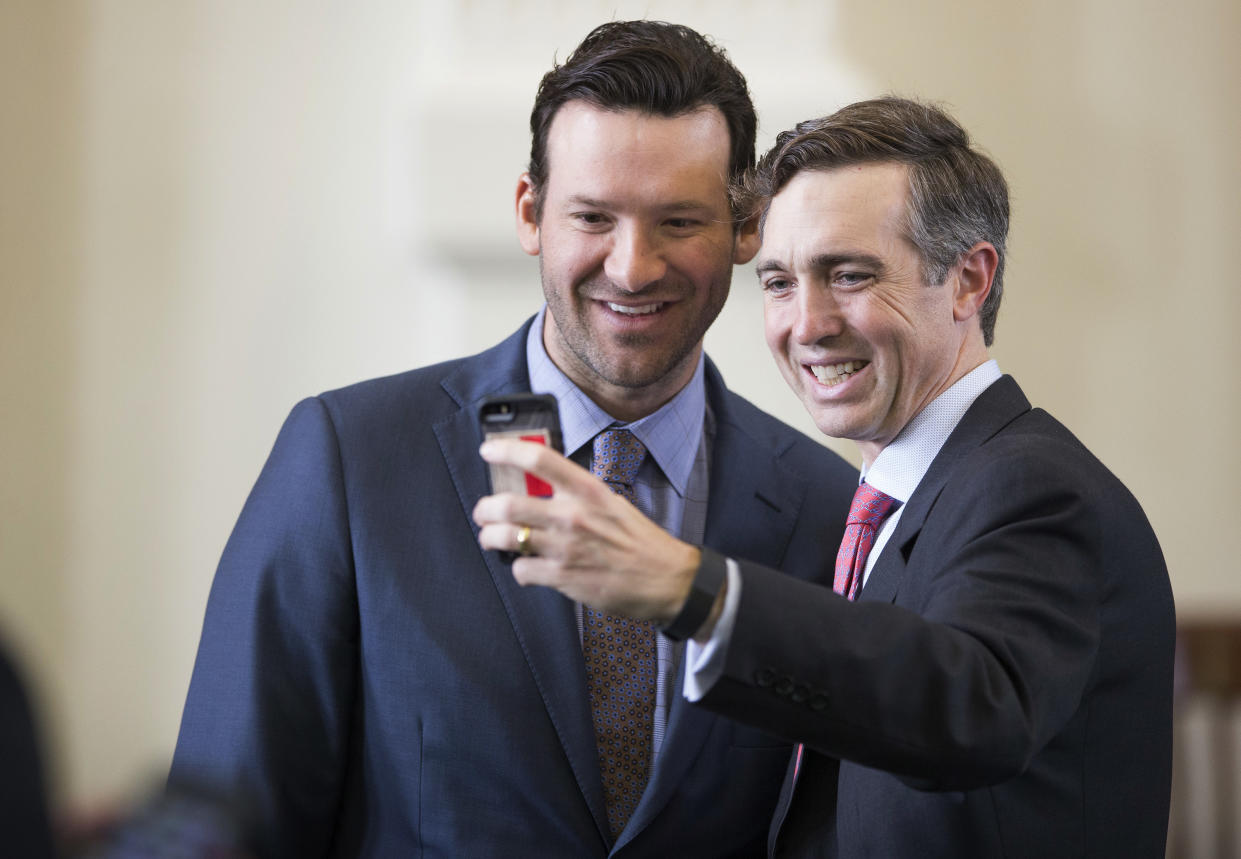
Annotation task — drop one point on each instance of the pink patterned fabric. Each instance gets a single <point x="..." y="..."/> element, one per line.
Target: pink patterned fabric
<point x="867" y="511"/>
<point x="866" y="514"/>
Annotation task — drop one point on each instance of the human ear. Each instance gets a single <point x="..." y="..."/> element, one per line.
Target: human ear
<point x="747" y="241"/>
<point x="975" y="273"/>
<point x="527" y="221"/>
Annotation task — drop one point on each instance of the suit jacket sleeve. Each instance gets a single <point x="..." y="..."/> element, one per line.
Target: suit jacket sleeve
<point x="981" y="660"/>
<point x="267" y="716"/>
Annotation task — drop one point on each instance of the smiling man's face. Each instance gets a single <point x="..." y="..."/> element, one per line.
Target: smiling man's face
<point x="636" y="248"/>
<point x="857" y="334"/>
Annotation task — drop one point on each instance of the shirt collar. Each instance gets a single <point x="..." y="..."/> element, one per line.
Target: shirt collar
<point x="900" y="467"/>
<point x="671" y="433"/>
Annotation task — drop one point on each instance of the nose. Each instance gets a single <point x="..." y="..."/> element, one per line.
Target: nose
<point x="635" y="259"/>
<point x="818" y="315"/>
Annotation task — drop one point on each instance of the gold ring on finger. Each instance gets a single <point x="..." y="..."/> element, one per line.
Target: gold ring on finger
<point x="523" y="540"/>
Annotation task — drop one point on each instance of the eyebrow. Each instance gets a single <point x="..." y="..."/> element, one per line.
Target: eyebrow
<point x="675" y="206"/>
<point x="827" y="262"/>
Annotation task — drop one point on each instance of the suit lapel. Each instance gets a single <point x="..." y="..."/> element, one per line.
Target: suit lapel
<point x="754" y="501"/>
<point x="752" y="510"/>
<point x="544" y="621"/>
<point x="994" y="409"/>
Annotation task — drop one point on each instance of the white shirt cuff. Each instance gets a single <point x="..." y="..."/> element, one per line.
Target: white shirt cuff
<point x="704" y="663"/>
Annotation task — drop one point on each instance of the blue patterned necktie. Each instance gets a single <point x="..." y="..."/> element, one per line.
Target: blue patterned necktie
<point x="620" y="661"/>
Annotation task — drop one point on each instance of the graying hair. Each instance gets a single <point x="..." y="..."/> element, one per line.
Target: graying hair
<point x="957" y="195"/>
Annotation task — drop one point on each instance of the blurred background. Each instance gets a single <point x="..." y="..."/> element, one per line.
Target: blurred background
<point x="211" y="209"/>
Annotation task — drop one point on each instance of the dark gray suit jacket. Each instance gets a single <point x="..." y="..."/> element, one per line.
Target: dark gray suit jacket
<point x="1003" y="687"/>
<point x="377" y="685"/>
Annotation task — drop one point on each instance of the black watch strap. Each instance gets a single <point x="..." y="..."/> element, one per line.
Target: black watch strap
<point x="710" y="577"/>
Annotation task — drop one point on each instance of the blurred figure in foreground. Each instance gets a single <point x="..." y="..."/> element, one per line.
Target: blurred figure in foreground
<point x="25" y="830"/>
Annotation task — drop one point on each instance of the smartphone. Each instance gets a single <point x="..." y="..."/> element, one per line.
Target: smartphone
<point x="529" y="417"/>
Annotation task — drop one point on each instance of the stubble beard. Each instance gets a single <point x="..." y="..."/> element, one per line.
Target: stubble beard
<point x="627" y="361"/>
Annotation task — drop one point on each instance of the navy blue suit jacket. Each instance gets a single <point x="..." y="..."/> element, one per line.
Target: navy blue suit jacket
<point x="1003" y="687"/>
<point x="376" y="685"/>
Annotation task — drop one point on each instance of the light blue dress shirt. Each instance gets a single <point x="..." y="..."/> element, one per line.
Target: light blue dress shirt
<point x="671" y="486"/>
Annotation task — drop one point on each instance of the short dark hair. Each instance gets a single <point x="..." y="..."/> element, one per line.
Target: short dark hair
<point x="957" y="195"/>
<point x="651" y="66"/>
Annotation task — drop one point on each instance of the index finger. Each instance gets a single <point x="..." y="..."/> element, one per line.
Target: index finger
<point x="541" y="461"/>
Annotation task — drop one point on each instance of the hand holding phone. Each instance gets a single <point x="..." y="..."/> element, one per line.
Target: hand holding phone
<point x="527" y="417"/>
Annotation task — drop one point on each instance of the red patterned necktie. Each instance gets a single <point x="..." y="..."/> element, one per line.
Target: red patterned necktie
<point x="867" y="511"/>
<point x="620" y="661"/>
<point x="866" y="514"/>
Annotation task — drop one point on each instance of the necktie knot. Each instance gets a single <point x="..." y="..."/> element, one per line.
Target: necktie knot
<point x="617" y="457"/>
<point x="865" y="514"/>
<point x="869" y="506"/>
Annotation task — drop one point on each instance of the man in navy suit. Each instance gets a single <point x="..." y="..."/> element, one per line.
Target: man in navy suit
<point x="369" y="681"/>
<point x="1002" y="684"/>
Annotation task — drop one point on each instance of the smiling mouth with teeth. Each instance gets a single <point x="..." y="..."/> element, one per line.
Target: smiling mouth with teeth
<point x="640" y="310"/>
<point x="834" y="374"/>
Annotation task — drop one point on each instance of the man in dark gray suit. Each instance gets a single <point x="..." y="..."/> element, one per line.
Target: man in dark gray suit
<point x="1002" y="684"/>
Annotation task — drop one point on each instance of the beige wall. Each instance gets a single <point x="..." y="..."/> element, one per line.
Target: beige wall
<point x="211" y="209"/>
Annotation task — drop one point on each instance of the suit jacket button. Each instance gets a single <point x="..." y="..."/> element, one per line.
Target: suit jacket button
<point x="800" y="693"/>
<point x="818" y="701"/>
<point x="764" y="677"/>
<point x="784" y="686"/>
